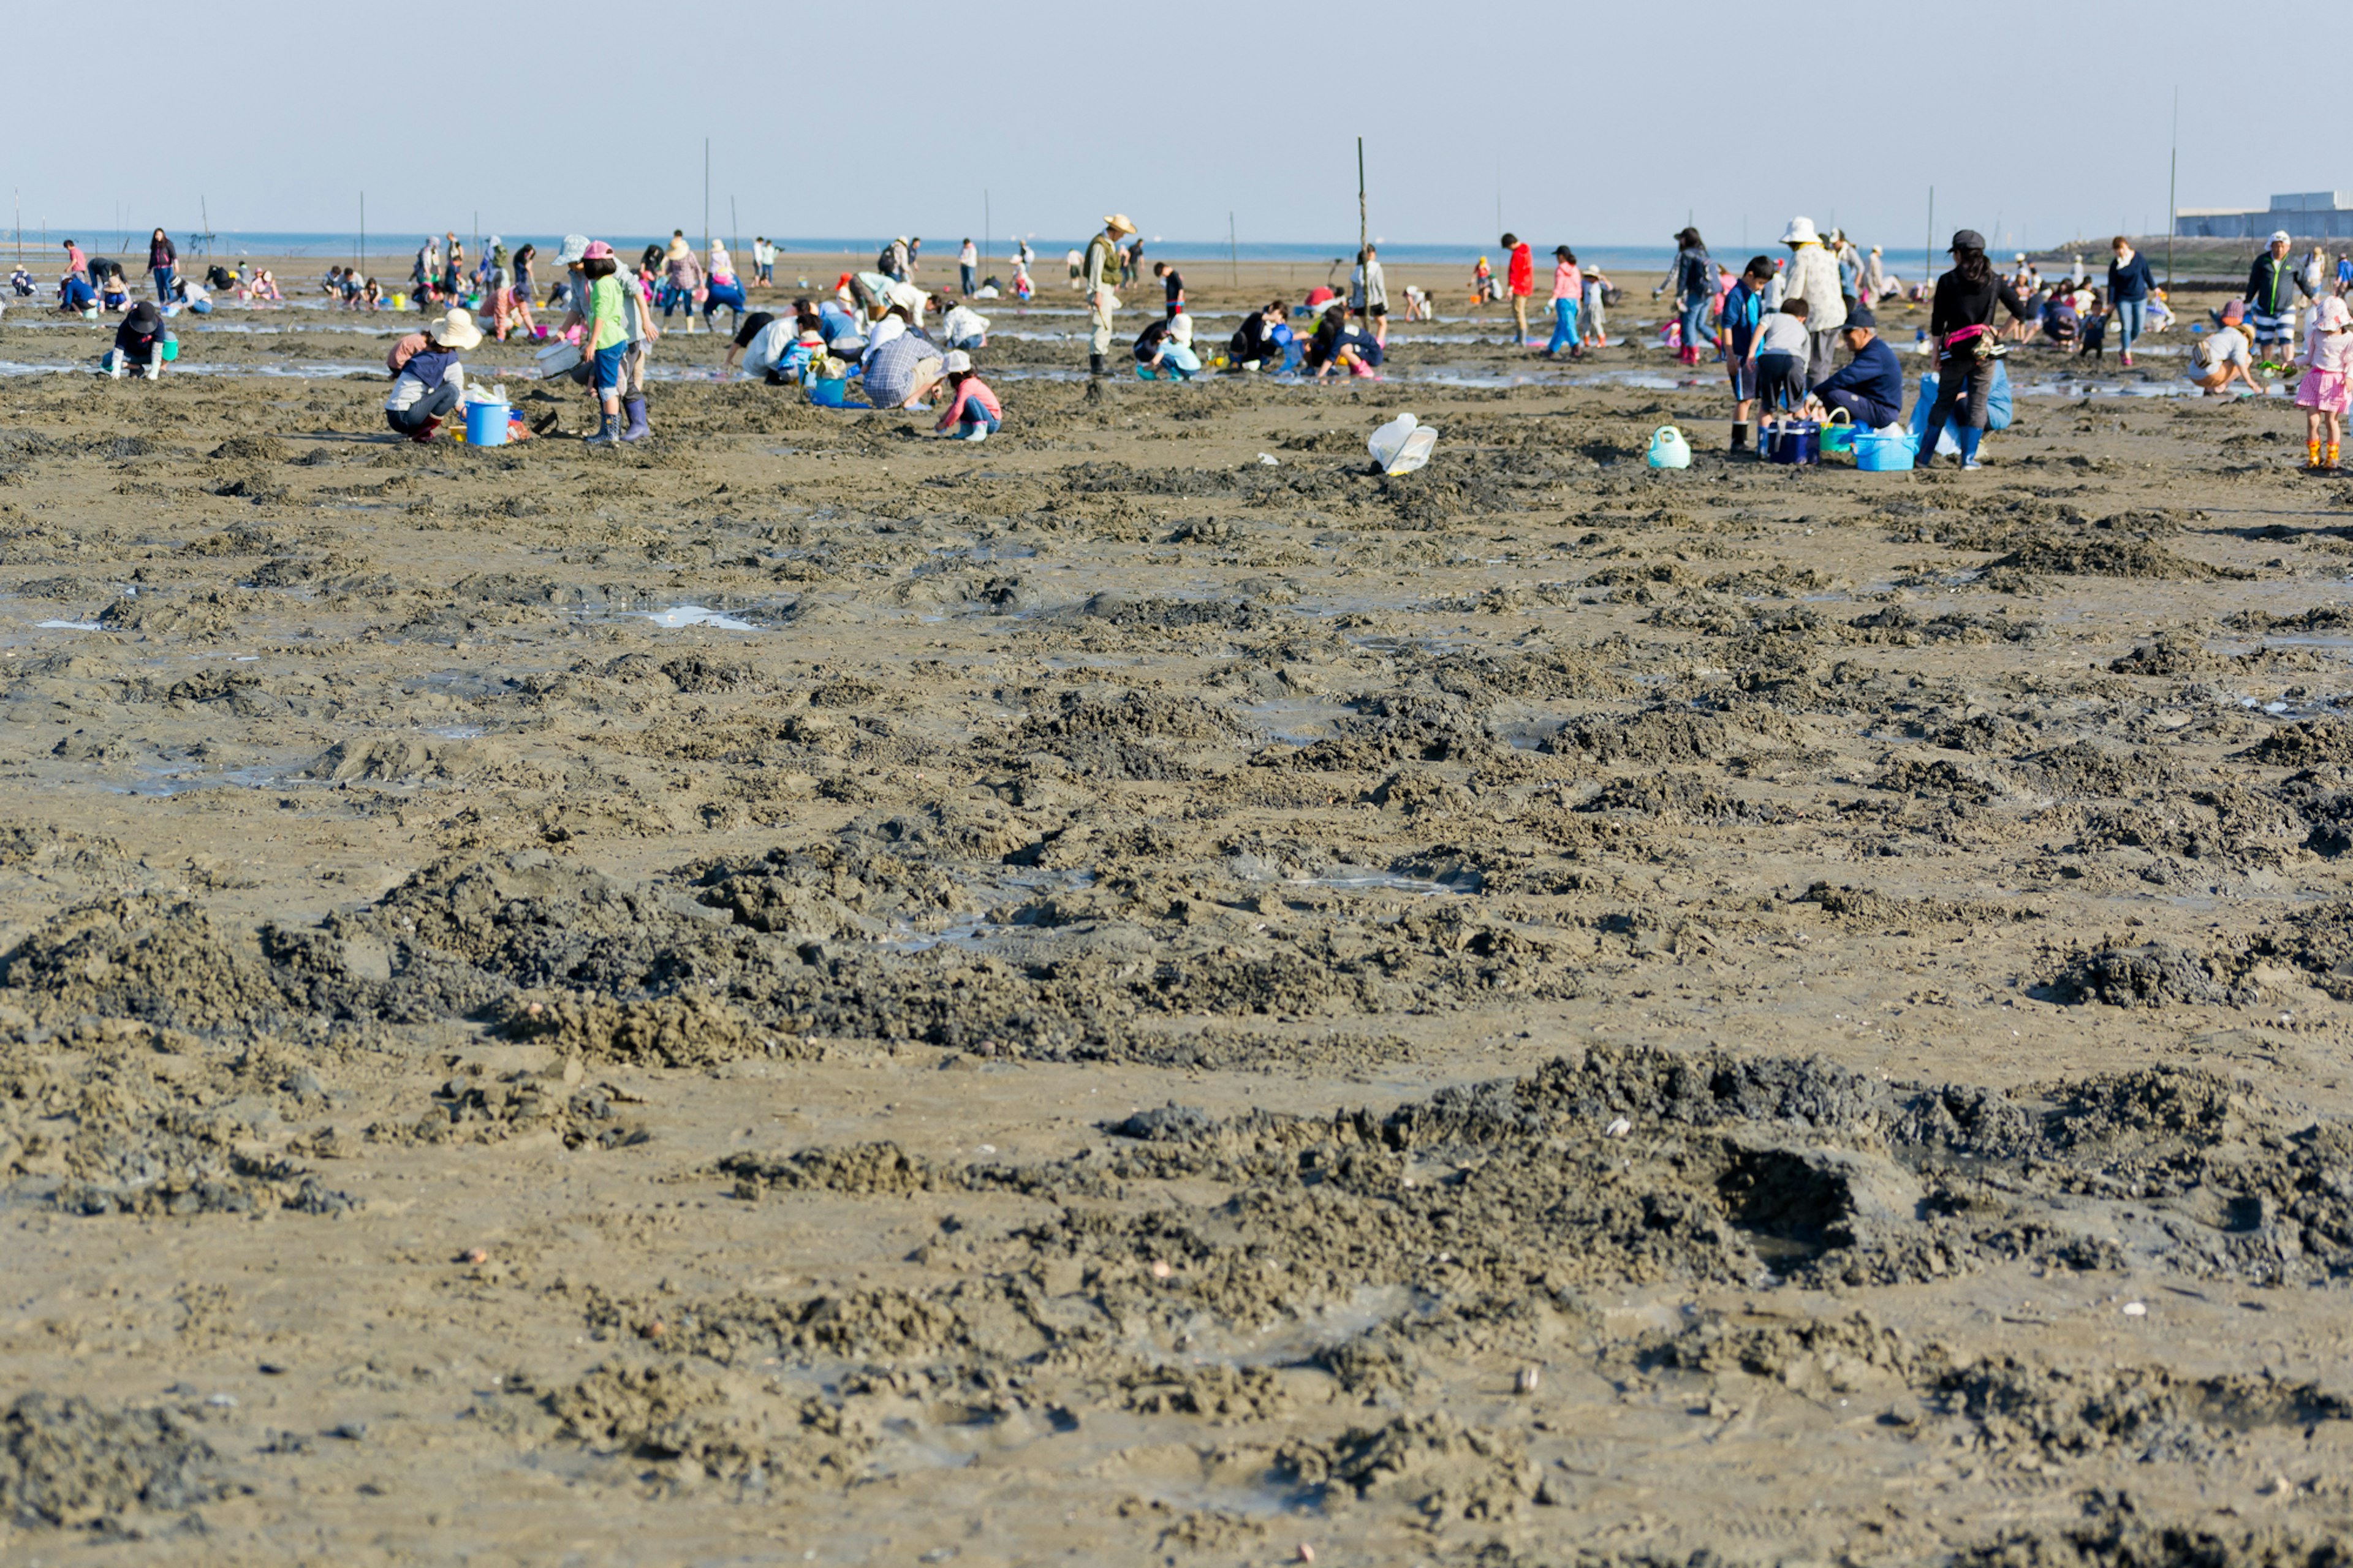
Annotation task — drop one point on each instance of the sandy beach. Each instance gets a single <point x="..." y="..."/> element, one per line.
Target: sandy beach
<point x="1142" y="992"/>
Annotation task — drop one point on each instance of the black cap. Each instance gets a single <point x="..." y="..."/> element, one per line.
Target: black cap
<point x="1967" y="240"/>
<point x="1861" y="316"/>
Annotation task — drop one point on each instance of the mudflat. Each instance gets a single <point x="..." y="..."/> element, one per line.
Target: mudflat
<point x="1140" y="991"/>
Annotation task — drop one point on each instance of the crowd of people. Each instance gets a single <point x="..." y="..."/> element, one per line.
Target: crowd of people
<point x="1778" y="324"/>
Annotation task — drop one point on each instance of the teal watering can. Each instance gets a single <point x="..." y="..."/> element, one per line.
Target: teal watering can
<point x="1669" y="449"/>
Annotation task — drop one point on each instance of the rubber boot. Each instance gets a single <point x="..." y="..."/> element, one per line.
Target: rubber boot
<point x="2312" y="455"/>
<point x="2332" y="456"/>
<point x="639" y="429"/>
<point x="1925" y="455"/>
<point x="1739" y="437"/>
<point x="609" y="431"/>
<point x="1097" y="367"/>
<point x="1970" y="437"/>
<point x="424" y="432"/>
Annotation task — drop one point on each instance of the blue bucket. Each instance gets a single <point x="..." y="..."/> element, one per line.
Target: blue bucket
<point x="486" y="425"/>
<point x="828" y="394"/>
<point x="1887" y="452"/>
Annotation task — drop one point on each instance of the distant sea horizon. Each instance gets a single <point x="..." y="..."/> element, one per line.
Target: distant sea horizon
<point x="402" y="243"/>
<point x="399" y="245"/>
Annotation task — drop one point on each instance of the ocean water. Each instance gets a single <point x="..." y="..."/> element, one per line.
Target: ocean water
<point x="399" y="246"/>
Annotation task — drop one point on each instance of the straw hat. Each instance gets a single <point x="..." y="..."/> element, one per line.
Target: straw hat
<point x="455" y="330"/>
<point x="1117" y="223"/>
<point x="1801" y="232"/>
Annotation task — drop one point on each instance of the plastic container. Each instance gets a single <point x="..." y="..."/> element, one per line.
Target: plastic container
<point x="1403" y="445"/>
<point x="1797" y="443"/>
<point x="171" y="349"/>
<point x="1888" y="451"/>
<point x="486" y="423"/>
<point x="1668" y="448"/>
<point x="399" y="302"/>
<point x="833" y="393"/>
<point x="556" y="359"/>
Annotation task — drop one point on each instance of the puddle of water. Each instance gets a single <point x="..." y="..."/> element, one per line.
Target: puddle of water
<point x="1365" y="880"/>
<point x="1297" y="720"/>
<point x="69" y="626"/>
<point x="156" y="781"/>
<point x="696" y="615"/>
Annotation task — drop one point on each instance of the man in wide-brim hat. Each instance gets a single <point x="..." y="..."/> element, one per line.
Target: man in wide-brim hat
<point x="1099" y="274"/>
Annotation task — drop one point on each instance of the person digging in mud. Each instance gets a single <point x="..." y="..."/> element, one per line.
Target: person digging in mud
<point x="2222" y="357"/>
<point x="1870" y="386"/>
<point x="636" y="340"/>
<point x="973" y="413"/>
<point x="1339" y="346"/>
<point x="138" y="344"/>
<point x="901" y="369"/>
<point x="1262" y="339"/>
<point x="775" y="348"/>
<point x="429" y="382"/>
<point x="1159" y="353"/>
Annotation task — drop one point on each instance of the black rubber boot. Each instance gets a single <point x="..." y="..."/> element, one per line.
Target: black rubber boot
<point x="1097" y="366"/>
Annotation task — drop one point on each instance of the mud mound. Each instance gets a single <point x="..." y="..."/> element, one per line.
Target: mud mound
<point x="2306" y="743"/>
<point x="2153" y="974"/>
<point x="2171" y="654"/>
<point x="1432" y="1463"/>
<point x="140" y="958"/>
<point x="250" y="450"/>
<point x="1652" y="739"/>
<point x="2081" y="557"/>
<point x="65" y="1461"/>
<point x="2115" y="1533"/>
<point x="663" y="1031"/>
<point x="673" y="1413"/>
<point x="1174" y="614"/>
<point x="2150" y="1413"/>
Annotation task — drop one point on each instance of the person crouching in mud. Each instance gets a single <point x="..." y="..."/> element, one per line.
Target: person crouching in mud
<point x="138" y="344"/>
<point x="428" y="381"/>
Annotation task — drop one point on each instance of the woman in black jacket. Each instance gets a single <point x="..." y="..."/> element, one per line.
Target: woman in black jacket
<point x="1960" y="323"/>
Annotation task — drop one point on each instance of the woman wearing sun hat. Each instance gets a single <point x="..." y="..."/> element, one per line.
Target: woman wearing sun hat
<point x="1098" y="274"/>
<point x="431" y="382"/>
<point x="1813" y="277"/>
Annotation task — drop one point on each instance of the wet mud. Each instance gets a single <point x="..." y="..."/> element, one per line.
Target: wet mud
<point x="1143" y="992"/>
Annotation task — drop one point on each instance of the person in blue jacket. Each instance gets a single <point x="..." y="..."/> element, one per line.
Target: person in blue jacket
<point x="1870" y="388"/>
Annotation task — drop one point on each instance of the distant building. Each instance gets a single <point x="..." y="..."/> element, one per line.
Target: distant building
<point x="2305" y="215"/>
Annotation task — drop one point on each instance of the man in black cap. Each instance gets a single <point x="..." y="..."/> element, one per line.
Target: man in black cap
<point x="1871" y="385"/>
<point x="138" y="344"/>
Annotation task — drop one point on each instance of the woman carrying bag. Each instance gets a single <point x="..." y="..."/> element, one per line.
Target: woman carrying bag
<point x="1960" y="323"/>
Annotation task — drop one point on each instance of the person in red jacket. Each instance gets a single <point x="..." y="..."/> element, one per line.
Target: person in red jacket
<point x="1519" y="279"/>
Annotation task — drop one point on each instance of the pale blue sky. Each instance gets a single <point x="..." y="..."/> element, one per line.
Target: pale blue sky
<point x="1601" y="125"/>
